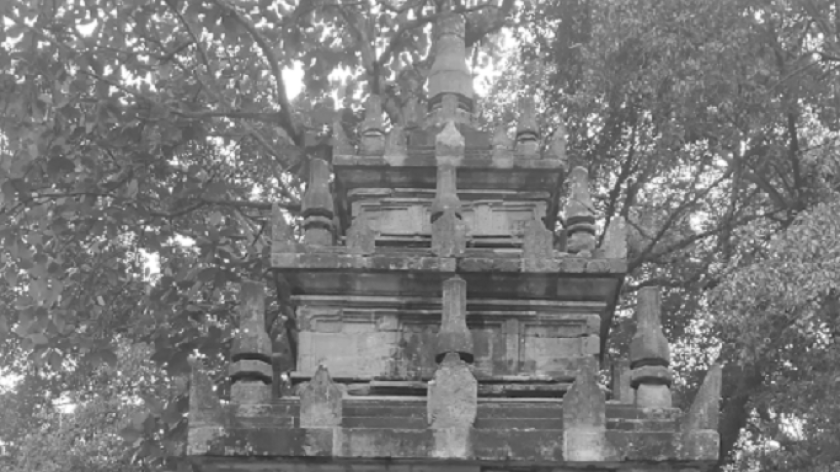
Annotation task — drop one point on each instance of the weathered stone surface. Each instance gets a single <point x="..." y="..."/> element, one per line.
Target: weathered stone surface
<point x="251" y="369"/>
<point x="580" y="214"/>
<point x="361" y="239"/>
<point x="527" y="130"/>
<point x="652" y="395"/>
<point x="317" y="206"/>
<point x="446" y="192"/>
<point x="452" y="443"/>
<point x="452" y="395"/>
<point x="651" y="374"/>
<point x="538" y="248"/>
<point x="448" y="235"/>
<point x="454" y="336"/>
<point x="704" y="411"/>
<point x="396" y="150"/>
<point x="251" y="340"/>
<point x="622" y="391"/>
<point x="449" y="146"/>
<point x="502" y="148"/>
<point x="649" y="346"/>
<point x="584" y="419"/>
<point x="320" y="402"/>
<point x="371" y="129"/>
<point x="250" y="392"/>
<point x="449" y="74"/>
<point x="615" y="239"/>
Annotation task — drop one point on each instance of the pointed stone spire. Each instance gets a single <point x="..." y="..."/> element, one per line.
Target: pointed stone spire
<point x="650" y="354"/>
<point x="250" y="371"/>
<point x="585" y="418"/>
<point x="527" y="131"/>
<point x="452" y="406"/>
<point x="537" y="247"/>
<point x="317" y="206"/>
<point x="615" y="239"/>
<point x="282" y="235"/>
<point x="321" y="403"/>
<point x="557" y="148"/>
<point x="206" y="414"/>
<point x="449" y="74"/>
<point x="454" y="336"/>
<point x="371" y="129"/>
<point x="580" y="215"/>
<point x="396" y="150"/>
<point x="340" y="141"/>
<point x="705" y="411"/>
<point x="502" y="148"/>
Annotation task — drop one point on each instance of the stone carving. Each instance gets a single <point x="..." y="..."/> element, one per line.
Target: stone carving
<point x="317" y="206"/>
<point x="449" y="235"/>
<point x="585" y="418"/>
<point x="361" y="239"/>
<point x="320" y="402"/>
<point x="615" y="239"/>
<point x="502" y="148"/>
<point x="622" y="391"/>
<point x="454" y="336"/>
<point x="580" y="215"/>
<point x="527" y="131"/>
<point x="449" y="146"/>
<point x="650" y="354"/>
<point x="396" y="150"/>
<point x="372" y="134"/>
<point x="449" y="74"/>
<point x="537" y="247"/>
<point x="452" y="406"/>
<point x="250" y="371"/>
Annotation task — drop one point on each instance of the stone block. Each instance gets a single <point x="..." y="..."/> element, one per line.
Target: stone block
<point x="361" y="238"/>
<point x="584" y="419"/>
<point x="252" y="340"/>
<point x="452" y="395"/>
<point x="320" y="402"/>
<point x="449" y="146"/>
<point x="538" y="248"/>
<point x="649" y="345"/>
<point x="452" y="443"/>
<point x="250" y="392"/>
<point x="615" y="239"/>
<point x="396" y="150"/>
<point x="448" y="235"/>
<point x="454" y="336"/>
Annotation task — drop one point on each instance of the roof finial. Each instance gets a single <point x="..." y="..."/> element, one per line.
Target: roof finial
<point x="449" y="74"/>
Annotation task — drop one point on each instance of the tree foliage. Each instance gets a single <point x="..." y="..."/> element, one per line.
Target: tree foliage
<point x="143" y="142"/>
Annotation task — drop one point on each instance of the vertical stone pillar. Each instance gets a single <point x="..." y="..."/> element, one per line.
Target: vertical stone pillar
<point x="317" y="206"/>
<point x="585" y="418"/>
<point x="206" y="417"/>
<point x="250" y="370"/>
<point x="448" y="231"/>
<point x="454" y="336"/>
<point x="371" y="132"/>
<point x="452" y="405"/>
<point x="580" y="215"/>
<point x="527" y="131"/>
<point x="649" y="354"/>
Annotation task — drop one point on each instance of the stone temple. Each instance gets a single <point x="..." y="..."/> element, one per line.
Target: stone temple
<point x="442" y="325"/>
